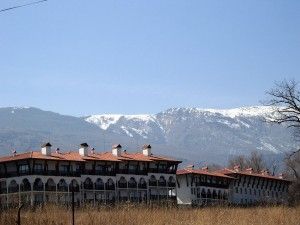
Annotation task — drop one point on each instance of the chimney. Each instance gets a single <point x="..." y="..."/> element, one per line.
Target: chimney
<point x="57" y="150"/>
<point x="236" y="168"/>
<point x="14" y="152"/>
<point x="93" y="151"/>
<point x="116" y="150"/>
<point x="147" y="150"/>
<point x="46" y="149"/>
<point x="280" y="176"/>
<point x="249" y="170"/>
<point x="205" y="168"/>
<point x="190" y="167"/>
<point x="83" y="150"/>
<point x="265" y="172"/>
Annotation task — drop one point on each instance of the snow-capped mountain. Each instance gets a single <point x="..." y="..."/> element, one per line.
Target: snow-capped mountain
<point x="191" y="134"/>
<point x="203" y="133"/>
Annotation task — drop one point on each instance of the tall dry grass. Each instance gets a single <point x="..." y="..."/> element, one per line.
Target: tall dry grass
<point x="137" y="215"/>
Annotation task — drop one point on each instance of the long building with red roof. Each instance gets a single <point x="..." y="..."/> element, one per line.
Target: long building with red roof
<point x="229" y="186"/>
<point x="202" y="187"/>
<point x="95" y="177"/>
<point x="251" y="187"/>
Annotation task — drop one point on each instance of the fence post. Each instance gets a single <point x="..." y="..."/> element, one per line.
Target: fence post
<point x="18" y="222"/>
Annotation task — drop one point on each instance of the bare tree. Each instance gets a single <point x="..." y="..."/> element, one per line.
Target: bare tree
<point x="285" y="97"/>
<point x="255" y="161"/>
<point x="239" y="160"/>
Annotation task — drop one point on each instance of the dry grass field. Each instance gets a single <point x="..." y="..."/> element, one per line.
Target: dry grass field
<point x="132" y="215"/>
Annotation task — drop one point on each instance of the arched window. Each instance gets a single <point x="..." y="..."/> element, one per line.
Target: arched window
<point x="38" y="185"/>
<point x="122" y="183"/>
<point x="225" y="195"/>
<point x="208" y="194"/>
<point x="13" y="187"/>
<point x="162" y="181"/>
<point x="50" y="185"/>
<point x="62" y="186"/>
<point x="171" y="182"/>
<point x="220" y="196"/>
<point x="25" y="185"/>
<point x="99" y="185"/>
<point x="152" y="181"/>
<point x="142" y="184"/>
<point x="110" y="185"/>
<point x="215" y="195"/>
<point x="132" y="183"/>
<point x="203" y="193"/>
<point x="3" y="187"/>
<point x="88" y="184"/>
<point x="74" y="186"/>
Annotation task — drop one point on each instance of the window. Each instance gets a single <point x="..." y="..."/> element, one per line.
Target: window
<point x="99" y="168"/>
<point x="236" y="190"/>
<point x="245" y="190"/>
<point x="23" y="168"/>
<point x="241" y="191"/>
<point x="254" y="191"/>
<point x="208" y="179"/>
<point x="250" y="192"/>
<point x="78" y="167"/>
<point x="64" y="168"/>
<point x="214" y="180"/>
<point x="38" y="167"/>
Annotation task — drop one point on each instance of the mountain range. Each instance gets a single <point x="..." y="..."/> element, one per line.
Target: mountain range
<point x="190" y="134"/>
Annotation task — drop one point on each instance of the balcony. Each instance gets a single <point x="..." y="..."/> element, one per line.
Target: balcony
<point x="142" y="186"/>
<point x="122" y="185"/>
<point x="171" y="184"/>
<point x="75" y="189"/>
<point x="162" y="184"/>
<point x="122" y="171"/>
<point x="44" y="173"/>
<point x="162" y="170"/>
<point x="153" y="183"/>
<point x="110" y="187"/>
<point x="3" y="191"/>
<point x="132" y="185"/>
<point x="88" y="186"/>
<point x="99" y="172"/>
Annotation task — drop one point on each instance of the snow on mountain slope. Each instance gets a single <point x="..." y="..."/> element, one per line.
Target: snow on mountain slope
<point x="221" y="131"/>
<point x="228" y="117"/>
<point x="105" y="120"/>
<point x="185" y="133"/>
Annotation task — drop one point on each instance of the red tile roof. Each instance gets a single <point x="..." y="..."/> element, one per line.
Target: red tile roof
<point x="229" y="172"/>
<point x="201" y="172"/>
<point x="75" y="156"/>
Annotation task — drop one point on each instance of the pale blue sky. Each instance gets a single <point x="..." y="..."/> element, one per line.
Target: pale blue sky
<point x="82" y="57"/>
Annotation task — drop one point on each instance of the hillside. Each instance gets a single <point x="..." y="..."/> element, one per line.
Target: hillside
<point x="191" y="134"/>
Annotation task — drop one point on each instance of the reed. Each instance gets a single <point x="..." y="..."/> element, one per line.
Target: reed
<point x="142" y="215"/>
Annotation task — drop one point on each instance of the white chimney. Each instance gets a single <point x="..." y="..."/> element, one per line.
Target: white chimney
<point x="236" y="168"/>
<point x="83" y="150"/>
<point x="147" y="150"/>
<point x="116" y="150"/>
<point x="46" y="149"/>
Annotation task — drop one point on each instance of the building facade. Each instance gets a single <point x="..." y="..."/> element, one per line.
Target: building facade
<point x="249" y="187"/>
<point x="201" y="187"/>
<point x="94" y="177"/>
